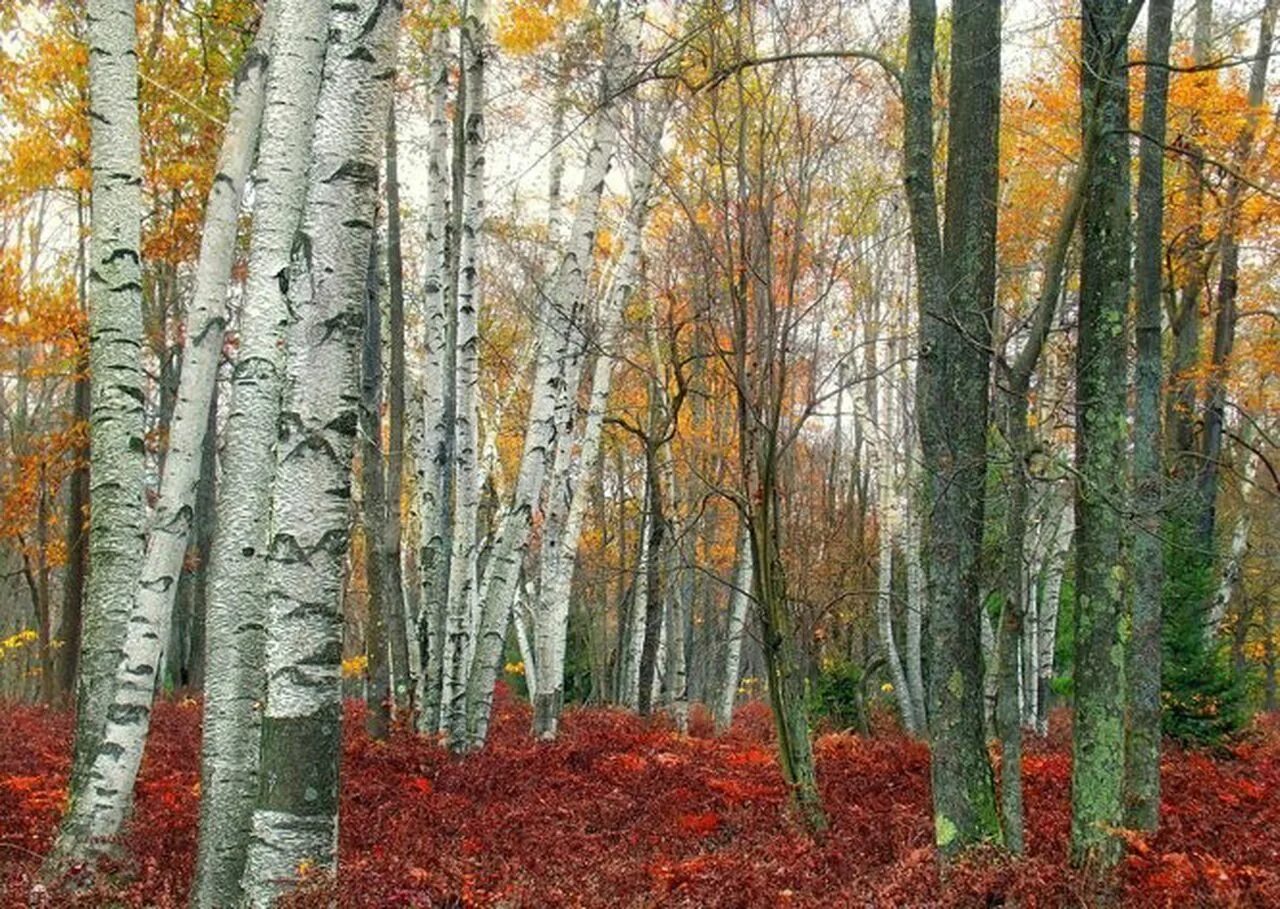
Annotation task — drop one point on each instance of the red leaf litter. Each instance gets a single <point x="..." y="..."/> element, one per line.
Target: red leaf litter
<point x="620" y="812"/>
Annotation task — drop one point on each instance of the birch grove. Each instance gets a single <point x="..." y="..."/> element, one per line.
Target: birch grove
<point x="419" y="408"/>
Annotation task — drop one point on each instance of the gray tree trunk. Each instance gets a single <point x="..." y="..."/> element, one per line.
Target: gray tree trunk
<point x="397" y="618"/>
<point x="1101" y="388"/>
<point x="1142" y="748"/>
<point x="956" y="298"/>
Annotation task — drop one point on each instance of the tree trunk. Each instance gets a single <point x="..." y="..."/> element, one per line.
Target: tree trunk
<point x="435" y="461"/>
<point x="559" y="337"/>
<point x="115" y="766"/>
<point x="295" y="818"/>
<point x="551" y="623"/>
<point x="235" y="622"/>
<point x="739" y="600"/>
<point x="655" y="525"/>
<point x="1142" y="747"/>
<point x="378" y="674"/>
<point x="1012" y="617"/>
<point x="116" y="480"/>
<point x="1101" y="397"/>
<point x="461" y="616"/>
<point x="956" y="298"/>
<point x="1228" y="289"/>
<point x="397" y="620"/>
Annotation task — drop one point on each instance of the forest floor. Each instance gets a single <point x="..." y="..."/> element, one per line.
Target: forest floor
<point x="624" y="813"/>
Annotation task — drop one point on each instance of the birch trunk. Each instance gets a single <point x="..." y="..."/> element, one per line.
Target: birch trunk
<point x="1055" y="571"/>
<point x="635" y="619"/>
<point x="1233" y="564"/>
<point x="435" y="459"/>
<point x="234" y="633"/>
<point x="552" y="617"/>
<point x="116" y="482"/>
<point x="561" y="314"/>
<point x="739" y="602"/>
<point x="916" y="607"/>
<point x="460" y="623"/>
<point x="115" y="766"/>
<point x="296" y="813"/>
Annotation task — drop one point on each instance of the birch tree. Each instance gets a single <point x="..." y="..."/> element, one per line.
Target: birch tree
<point x="551" y="624"/>
<point x="435" y="468"/>
<point x="559" y="332"/>
<point x="296" y="813"/>
<point x="236" y="615"/>
<point x="460" y="613"/>
<point x="116" y="382"/>
<point x="739" y="601"/>
<point x="115" y="765"/>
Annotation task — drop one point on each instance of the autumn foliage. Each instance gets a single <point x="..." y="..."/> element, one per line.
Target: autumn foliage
<point x="618" y="812"/>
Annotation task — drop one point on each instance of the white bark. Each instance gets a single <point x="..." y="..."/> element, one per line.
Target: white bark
<point x="551" y="619"/>
<point x="1047" y="620"/>
<point x="116" y="481"/>
<point x="461" y="611"/>
<point x="434" y="460"/>
<point x="1233" y="565"/>
<point x="115" y="767"/>
<point x="630" y="694"/>
<point x="560" y="317"/>
<point x="887" y="528"/>
<point x="236" y="612"/>
<point x="739" y="601"/>
<point x="295" y="820"/>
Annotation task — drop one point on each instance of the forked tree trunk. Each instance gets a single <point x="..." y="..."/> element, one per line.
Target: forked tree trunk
<point x="560" y="328"/>
<point x="956" y="292"/>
